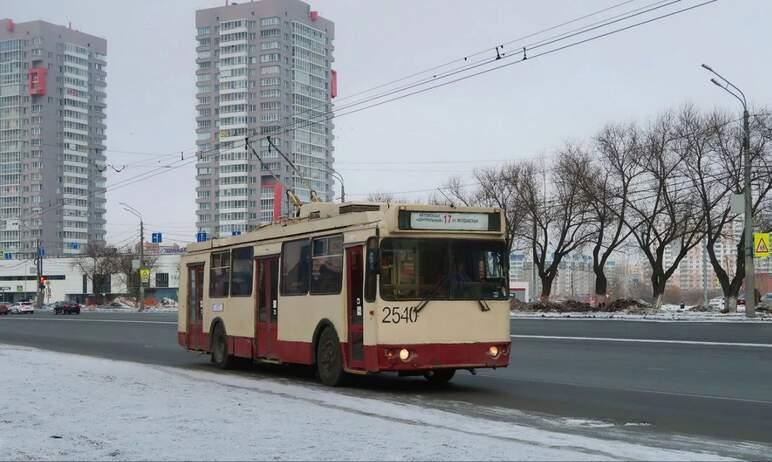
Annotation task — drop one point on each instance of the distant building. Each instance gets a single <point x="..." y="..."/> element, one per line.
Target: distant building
<point x="575" y="279"/>
<point x="66" y="280"/>
<point x="263" y="68"/>
<point x="52" y="139"/>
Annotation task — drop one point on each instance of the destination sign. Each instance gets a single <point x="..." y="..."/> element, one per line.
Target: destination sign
<point x="451" y="221"/>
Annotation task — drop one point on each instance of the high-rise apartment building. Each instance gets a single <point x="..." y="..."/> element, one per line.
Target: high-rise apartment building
<point x="52" y="135"/>
<point x="263" y="68"/>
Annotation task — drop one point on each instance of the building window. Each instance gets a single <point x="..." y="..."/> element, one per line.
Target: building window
<point x="241" y="273"/>
<point x="219" y="274"/>
<point x="162" y="280"/>
<point x="272" y="21"/>
<point x="327" y="265"/>
<point x="295" y="267"/>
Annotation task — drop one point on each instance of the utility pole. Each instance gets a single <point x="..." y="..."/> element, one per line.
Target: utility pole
<point x="705" y="274"/>
<point x="141" y="264"/>
<point x="136" y="213"/>
<point x="39" y="271"/>
<point x="750" y="273"/>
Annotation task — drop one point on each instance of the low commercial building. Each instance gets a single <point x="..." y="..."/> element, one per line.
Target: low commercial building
<point x="71" y="278"/>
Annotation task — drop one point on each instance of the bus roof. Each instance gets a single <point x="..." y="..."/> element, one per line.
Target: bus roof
<point x="390" y="218"/>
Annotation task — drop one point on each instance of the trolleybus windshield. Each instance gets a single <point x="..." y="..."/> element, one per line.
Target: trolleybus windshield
<point x="442" y="269"/>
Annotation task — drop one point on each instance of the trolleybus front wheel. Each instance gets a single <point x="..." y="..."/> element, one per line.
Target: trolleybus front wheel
<point x="440" y="376"/>
<point x="220" y="356"/>
<point x="329" y="360"/>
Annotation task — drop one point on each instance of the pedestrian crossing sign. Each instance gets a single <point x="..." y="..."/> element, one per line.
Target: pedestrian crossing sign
<point x="761" y="245"/>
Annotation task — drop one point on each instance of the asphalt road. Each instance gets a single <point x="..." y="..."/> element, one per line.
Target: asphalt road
<point x="696" y="379"/>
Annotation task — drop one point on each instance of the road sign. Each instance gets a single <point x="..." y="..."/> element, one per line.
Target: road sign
<point x="235" y="233"/>
<point x="201" y="236"/>
<point x="761" y="245"/>
<point x="74" y="245"/>
<point x="144" y="275"/>
<point x="8" y="256"/>
<point x="19" y="288"/>
<point x="156" y="238"/>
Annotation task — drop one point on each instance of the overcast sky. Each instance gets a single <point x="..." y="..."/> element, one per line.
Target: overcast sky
<point x="521" y="111"/>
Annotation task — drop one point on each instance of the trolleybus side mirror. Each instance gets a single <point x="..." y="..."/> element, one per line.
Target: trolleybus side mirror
<point x="373" y="263"/>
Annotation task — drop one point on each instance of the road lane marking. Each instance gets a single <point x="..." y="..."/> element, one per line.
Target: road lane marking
<point x="645" y="340"/>
<point x="491" y="375"/>
<point x="127" y="321"/>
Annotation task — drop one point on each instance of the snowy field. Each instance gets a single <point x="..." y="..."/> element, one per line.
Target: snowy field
<point x="70" y="407"/>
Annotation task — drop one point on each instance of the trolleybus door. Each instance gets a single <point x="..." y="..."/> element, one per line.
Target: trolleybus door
<point x="267" y="284"/>
<point x="354" y="283"/>
<point x="196" y="336"/>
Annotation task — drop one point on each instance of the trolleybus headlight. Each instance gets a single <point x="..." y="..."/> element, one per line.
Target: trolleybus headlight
<point x="493" y="351"/>
<point x="404" y="354"/>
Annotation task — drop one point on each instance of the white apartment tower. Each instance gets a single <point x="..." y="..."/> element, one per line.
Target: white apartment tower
<point x="263" y="69"/>
<point x="52" y="139"/>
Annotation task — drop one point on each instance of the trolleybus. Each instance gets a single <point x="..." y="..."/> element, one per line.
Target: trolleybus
<point x="354" y="288"/>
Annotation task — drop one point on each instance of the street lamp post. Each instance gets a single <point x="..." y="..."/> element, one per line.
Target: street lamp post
<point x="750" y="283"/>
<point x="339" y="177"/>
<point x="136" y="213"/>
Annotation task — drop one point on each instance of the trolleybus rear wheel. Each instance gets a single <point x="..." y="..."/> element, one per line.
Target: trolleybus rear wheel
<point x="329" y="360"/>
<point x="440" y="376"/>
<point x="220" y="356"/>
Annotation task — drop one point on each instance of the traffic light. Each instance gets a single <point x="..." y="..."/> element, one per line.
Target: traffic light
<point x="42" y="282"/>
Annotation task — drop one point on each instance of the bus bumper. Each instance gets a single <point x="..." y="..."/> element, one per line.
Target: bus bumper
<point x="424" y="357"/>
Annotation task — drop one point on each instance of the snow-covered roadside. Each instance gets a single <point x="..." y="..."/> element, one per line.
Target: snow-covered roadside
<point x="76" y="407"/>
<point x="693" y="316"/>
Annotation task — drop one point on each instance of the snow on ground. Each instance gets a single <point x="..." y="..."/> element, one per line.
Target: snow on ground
<point x="69" y="407"/>
<point x="665" y="315"/>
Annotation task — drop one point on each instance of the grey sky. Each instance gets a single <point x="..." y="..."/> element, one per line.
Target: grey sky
<point x="523" y="111"/>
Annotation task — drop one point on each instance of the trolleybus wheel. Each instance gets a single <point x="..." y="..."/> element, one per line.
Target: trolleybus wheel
<point x="220" y="356"/>
<point x="440" y="376"/>
<point x="329" y="361"/>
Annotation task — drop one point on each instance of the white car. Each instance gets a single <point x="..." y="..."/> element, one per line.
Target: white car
<point x="22" y="308"/>
<point x="717" y="303"/>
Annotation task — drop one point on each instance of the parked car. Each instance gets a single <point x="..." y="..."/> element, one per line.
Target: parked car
<point x="4" y="309"/>
<point x="22" y="308"/>
<point x="717" y="303"/>
<point x="66" y="308"/>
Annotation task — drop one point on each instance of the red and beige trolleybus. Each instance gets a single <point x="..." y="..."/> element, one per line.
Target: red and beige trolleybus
<point x="354" y="289"/>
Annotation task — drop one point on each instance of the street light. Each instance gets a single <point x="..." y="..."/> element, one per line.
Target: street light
<point x="136" y="213"/>
<point x="339" y="177"/>
<point x="750" y="283"/>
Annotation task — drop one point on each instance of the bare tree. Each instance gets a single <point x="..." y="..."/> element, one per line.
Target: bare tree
<point x="381" y="197"/>
<point x="662" y="214"/>
<point x="714" y="166"/>
<point x="127" y="272"/>
<point x="556" y="227"/>
<point x="97" y="262"/>
<point x="603" y="188"/>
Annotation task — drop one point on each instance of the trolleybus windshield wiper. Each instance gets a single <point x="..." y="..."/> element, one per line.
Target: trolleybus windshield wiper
<point x="425" y="301"/>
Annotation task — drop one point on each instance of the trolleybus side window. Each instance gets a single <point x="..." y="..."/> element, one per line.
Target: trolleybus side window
<point x="241" y="272"/>
<point x="326" y="265"/>
<point x="219" y="274"/>
<point x="295" y="267"/>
